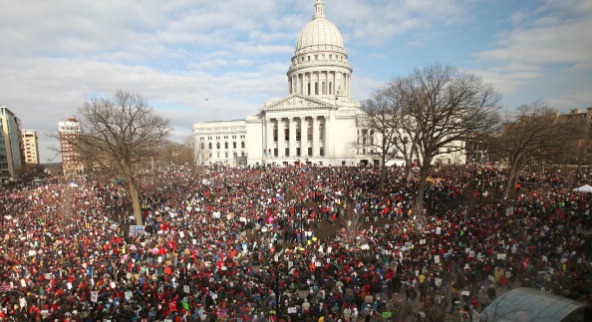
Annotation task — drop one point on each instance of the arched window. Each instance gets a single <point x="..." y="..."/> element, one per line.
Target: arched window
<point x="218" y="146"/>
<point x="234" y="145"/>
<point x="210" y="145"/>
<point x="226" y="145"/>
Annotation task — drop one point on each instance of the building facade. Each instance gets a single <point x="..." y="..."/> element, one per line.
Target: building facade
<point x="31" y="147"/>
<point x="317" y="123"/>
<point x="11" y="151"/>
<point x="69" y="131"/>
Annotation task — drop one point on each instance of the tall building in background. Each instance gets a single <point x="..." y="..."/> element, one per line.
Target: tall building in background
<point x="69" y="131"/>
<point x="31" y="147"/>
<point x="11" y="150"/>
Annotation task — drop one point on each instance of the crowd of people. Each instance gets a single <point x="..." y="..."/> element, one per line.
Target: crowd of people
<point x="292" y="243"/>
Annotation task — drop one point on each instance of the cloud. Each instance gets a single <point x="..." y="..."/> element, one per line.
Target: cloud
<point x="56" y="54"/>
<point x="552" y="40"/>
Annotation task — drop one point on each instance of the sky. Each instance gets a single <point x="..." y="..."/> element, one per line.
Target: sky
<point x="197" y="60"/>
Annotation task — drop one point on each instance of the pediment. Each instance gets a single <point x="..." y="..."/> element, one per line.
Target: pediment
<point x="296" y="102"/>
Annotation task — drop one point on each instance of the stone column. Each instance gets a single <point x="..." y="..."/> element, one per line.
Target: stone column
<point x="280" y="144"/>
<point x="315" y="137"/>
<point x="269" y="138"/>
<point x="292" y="122"/>
<point x="330" y="135"/>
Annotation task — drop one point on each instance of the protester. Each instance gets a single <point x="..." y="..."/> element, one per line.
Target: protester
<point x="227" y="244"/>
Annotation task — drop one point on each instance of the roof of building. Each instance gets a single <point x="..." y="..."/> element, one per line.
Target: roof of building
<point x="319" y="34"/>
<point x="528" y="304"/>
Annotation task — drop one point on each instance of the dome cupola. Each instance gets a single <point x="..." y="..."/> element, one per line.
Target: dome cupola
<point x="319" y="65"/>
<point x="319" y="34"/>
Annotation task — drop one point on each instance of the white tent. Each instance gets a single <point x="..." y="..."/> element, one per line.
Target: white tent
<point x="585" y="188"/>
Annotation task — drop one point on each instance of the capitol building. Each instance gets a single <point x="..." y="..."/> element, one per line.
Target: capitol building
<point x="317" y="123"/>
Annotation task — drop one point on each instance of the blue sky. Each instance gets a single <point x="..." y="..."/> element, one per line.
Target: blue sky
<point x="176" y="53"/>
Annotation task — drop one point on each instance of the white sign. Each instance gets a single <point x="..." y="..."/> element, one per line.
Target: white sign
<point x="136" y="230"/>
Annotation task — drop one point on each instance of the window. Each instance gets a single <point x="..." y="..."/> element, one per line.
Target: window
<point x="202" y="146"/>
<point x="316" y="57"/>
<point x="310" y="152"/>
<point x="309" y="132"/>
<point x="226" y="155"/>
<point x="242" y="144"/>
<point x="235" y="154"/>
<point x="210" y="145"/>
<point x="297" y="152"/>
<point x="275" y="152"/>
<point x="226" y="145"/>
<point x="298" y="134"/>
<point x="287" y="152"/>
<point x="275" y="134"/>
<point x="218" y="146"/>
<point x="316" y="88"/>
<point x="322" y="132"/>
<point x="322" y="151"/>
<point x="287" y="133"/>
<point x="364" y="134"/>
<point x="234" y="145"/>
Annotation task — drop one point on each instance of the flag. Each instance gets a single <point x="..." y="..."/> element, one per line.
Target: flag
<point x="5" y="287"/>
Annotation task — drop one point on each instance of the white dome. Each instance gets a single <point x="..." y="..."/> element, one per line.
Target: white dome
<point x="320" y="33"/>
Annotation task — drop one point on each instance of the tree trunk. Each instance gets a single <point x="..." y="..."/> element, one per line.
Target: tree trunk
<point x="421" y="187"/>
<point x="382" y="172"/>
<point x="408" y="172"/>
<point x="135" y="198"/>
<point x="512" y="176"/>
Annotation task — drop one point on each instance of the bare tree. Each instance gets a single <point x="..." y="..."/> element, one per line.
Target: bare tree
<point x="119" y="136"/>
<point x="352" y="223"/>
<point x="533" y="135"/>
<point x="382" y="116"/>
<point x="443" y="108"/>
<point x="387" y="118"/>
<point x="175" y="162"/>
